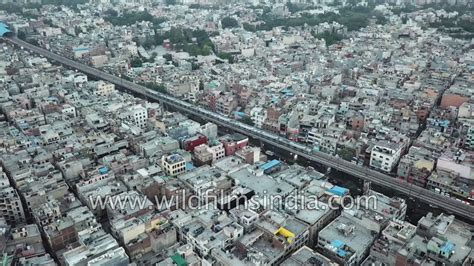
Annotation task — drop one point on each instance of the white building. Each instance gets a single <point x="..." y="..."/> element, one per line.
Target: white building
<point x="385" y="155"/>
<point x="209" y="130"/>
<point x="138" y="116"/>
<point x="258" y="116"/>
<point x="245" y="217"/>
<point x="68" y="109"/>
<point x="80" y="79"/>
<point x="217" y="150"/>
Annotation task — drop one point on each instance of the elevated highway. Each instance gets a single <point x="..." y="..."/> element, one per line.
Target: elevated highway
<point x="449" y="205"/>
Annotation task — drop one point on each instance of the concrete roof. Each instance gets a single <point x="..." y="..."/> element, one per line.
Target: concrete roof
<point x="262" y="184"/>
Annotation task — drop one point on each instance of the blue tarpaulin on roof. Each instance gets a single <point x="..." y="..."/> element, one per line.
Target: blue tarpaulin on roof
<point x="189" y="166"/>
<point x="337" y="243"/>
<point x="339" y="191"/>
<point x="103" y="170"/>
<point x="4" y="29"/>
<point x="270" y="165"/>
<point x="447" y="248"/>
<point x="81" y="49"/>
<point x="240" y="114"/>
<point x="288" y="92"/>
<point x="341" y="253"/>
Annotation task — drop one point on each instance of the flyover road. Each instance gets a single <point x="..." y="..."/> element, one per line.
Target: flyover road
<point x="449" y="205"/>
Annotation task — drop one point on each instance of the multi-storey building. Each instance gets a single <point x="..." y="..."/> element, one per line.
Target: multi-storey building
<point x="226" y="104"/>
<point x="103" y="88"/>
<point x="385" y="156"/>
<point x="258" y="116"/>
<point x="173" y="164"/>
<point x="10" y="206"/>
<point x="138" y="116"/>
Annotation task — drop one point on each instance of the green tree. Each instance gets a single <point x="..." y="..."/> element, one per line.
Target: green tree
<point x="346" y="153"/>
<point x="381" y="19"/>
<point x="136" y="62"/>
<point x="247" y="120"/>
<point x="330" y="37"/>
<point x="69" y="3"/>
<point x="194" y="42"/>
<point x="466" y="25"/>
<point x="157" y="87"/>
<point x="148" y="43"/>
<point x="21" y="35"/>
<point x="111" y="13"/>
<point x="132" y="17"/>
<point x="77" y="30"/>
<point x="249" y="27"/>
<point x="168" y="57"/>
<point x="10" y="8"/>
<point x="353" y="18"/>
<point x="293" y="8"/>
<point x="226" y="56"/>
<point x="404" y="19"/>
<point x="195" y="66"/>
<point x="229" y="22"/>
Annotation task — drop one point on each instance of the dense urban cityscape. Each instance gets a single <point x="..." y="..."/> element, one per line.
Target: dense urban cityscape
<point x="223" y="132"/>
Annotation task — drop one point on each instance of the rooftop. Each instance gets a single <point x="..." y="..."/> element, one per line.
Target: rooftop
<point x="346" y="236"/>
<point x="174" y="158"/>
<point x="307" y="256"/>
<point x="261" y="184"/>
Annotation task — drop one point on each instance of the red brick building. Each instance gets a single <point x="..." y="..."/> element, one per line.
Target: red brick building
<point x="233" y="143"/>
<point x="190" y="143"/>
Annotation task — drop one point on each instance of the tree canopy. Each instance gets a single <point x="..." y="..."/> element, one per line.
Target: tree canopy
<point x="194" y="42"/>
<point x="229" y="22"/>
<point x="354" y="18"/>
<point x="330" y="37"/>
<point x="226" y="56"/>
<point x="156" y="87"/>
<point x="247" y="120"/>
<point x="129" y="18"/>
